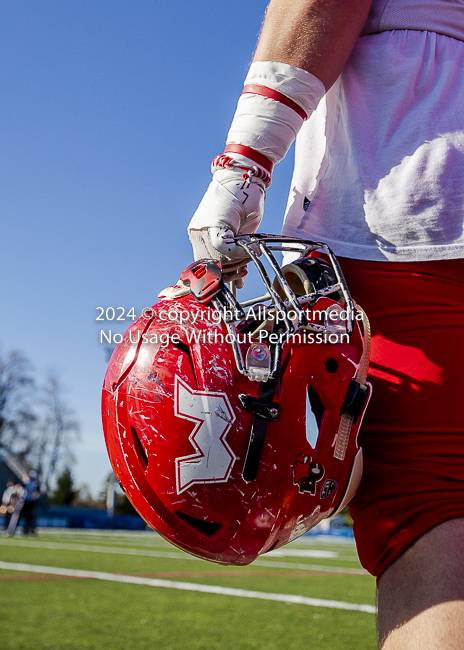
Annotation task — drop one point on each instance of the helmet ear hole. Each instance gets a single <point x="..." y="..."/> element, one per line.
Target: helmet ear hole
<point x="307" y="275"/>
<point x="297" y="280"/>
<point x="331" y="365"/>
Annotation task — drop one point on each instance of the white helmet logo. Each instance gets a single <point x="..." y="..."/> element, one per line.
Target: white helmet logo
<point x="213" y="416"/>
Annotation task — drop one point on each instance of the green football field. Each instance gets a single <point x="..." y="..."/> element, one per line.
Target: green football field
<point x="131" y="591"/>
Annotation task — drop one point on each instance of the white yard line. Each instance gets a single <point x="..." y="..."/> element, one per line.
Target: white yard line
<point x="66" y="546"/>
<point x="311" y="567"/>
<point x="165" y="546"/>
<point x="188" y="586"/>
<point x="99" y="533"/>
<point x="323" y="540"/>
<point x="303" y="552"/>
<point x="86" y="548"/>
<point x="150" y="538"/>
<point x="158" y="542"/>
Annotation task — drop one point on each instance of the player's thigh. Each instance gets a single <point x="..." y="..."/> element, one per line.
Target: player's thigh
<point x="413" y="432"/>
<point x="421" y="595"/>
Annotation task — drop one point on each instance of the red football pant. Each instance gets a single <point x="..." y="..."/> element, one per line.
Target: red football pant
<point x="413" y="431"/>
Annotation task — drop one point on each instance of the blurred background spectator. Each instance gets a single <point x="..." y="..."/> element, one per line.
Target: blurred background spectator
<point x="31" y="498"/>
<point x="9" y="499"/>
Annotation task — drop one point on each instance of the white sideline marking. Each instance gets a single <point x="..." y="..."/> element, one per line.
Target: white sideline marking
<point x="97" y="532"/>
<point x="289" y="552"/>
<point x="338" y="544"/>
<point x="97" y="549"/>
<point x="312" y="567"/>
<point x="150" y="540"/>
<point x="331" y="540"/>
<point x="188" y="586"/>
<point x="170" y="555"/>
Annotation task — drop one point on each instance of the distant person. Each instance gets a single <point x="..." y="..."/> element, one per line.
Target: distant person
<point x="29" y="510"/>
<point x="9" y="499"/>
<point x="17" y="504"/>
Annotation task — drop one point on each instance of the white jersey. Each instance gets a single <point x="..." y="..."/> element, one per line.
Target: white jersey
<point x="379" y="171"/>
<point x="440" y="16"/>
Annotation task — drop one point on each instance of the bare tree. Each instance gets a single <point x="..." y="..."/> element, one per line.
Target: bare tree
<point x="35" y="424"/>
<point x="56" y="431"/>
<point x="17" y="417"/>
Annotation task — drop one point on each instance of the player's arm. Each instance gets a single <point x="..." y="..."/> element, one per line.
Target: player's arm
<point x="303" y="47"/>
<point x="315" y="35"/>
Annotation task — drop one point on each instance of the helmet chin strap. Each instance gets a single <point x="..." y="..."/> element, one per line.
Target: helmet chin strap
<point x="357" y="393"/>
<point x="258" y="428"/>
<point x="361" y="375"/>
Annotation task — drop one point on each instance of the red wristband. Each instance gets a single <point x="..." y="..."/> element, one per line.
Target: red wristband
<point x="264" y="91"/>
<point x="252" y="154"/>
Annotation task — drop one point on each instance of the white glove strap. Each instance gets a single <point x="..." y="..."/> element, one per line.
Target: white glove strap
<point x="269" y="126"/>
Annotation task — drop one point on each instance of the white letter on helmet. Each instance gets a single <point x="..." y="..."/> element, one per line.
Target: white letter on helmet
<point x="213" y="416"/>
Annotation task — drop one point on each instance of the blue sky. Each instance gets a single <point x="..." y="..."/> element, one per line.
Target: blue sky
<point x="110" y="114"/>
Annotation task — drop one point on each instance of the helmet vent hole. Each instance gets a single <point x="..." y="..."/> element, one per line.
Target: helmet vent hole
<point x="205" y="527"/>
<point x="331" y="365"/>
<point x="141" y="453"/>
<point x="313" y="416"/>
<point x="186" y="350"/>
<point x="273" y="546"/>
<point x="182" y="347"/>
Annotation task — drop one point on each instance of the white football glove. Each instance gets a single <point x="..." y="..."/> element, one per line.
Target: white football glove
<point x="232" y="205"/>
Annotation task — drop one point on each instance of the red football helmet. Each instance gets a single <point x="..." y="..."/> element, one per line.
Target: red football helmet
<point x="233" y="427"/>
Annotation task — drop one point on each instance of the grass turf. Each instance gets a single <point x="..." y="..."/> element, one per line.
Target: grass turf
<point x="82" y="613"/>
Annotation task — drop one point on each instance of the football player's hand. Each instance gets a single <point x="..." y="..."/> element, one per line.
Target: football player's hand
<point x="232" y="205"/>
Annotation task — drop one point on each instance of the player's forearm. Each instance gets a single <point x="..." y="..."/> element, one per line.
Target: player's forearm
<point x="315" y="35"/>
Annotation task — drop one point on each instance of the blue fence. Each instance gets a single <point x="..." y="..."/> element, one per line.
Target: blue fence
<point x="69" y="517"/>
<point x="90" y="518"/>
